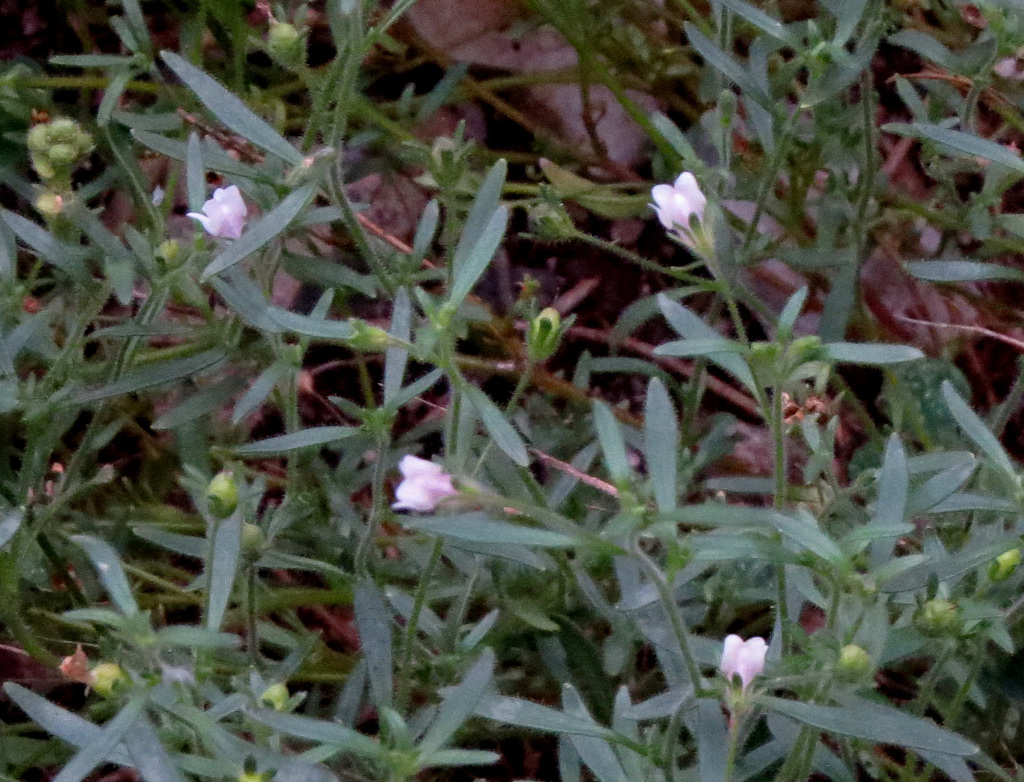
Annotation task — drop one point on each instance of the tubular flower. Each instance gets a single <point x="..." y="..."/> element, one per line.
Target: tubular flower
<point x="743" y="658"/>
<point x="224" y="214"/>
<point x="424" y="484"/>
<point x="677" y="205"/>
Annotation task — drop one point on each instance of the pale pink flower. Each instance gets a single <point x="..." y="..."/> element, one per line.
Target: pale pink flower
<point x="677" y="205"/>
<point x="224" y="214"/>
<point x="424" y="484"/>
<point x="1010" y="68"/>
<point x="743" y="658"/>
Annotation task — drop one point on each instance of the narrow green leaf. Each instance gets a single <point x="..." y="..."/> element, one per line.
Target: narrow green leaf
<point x="231" y="110"/>
<point x="962" y="271"/>
<point x="725" y="64"/>
<point x="95" y="752"/>
<point x="869" y="353"/>
<point x="502" y="432"/>
<point x="222" y="569"/>
<point x="874" y="722"/>
<point x="479" y="256"/>
<point x="712" y="741"/>
<point x="960" y="143"/>
<point x="479" y="528"/>
<point x="613" y="446"/>
<point x="10" y="524"/>
<point x="260" y="389"/>
<point x="374" y="622"/>
<point x="195" y="174"/>
<point x="690" y="348"/>
<point x="918" y="575"/>
<point x="321" y="731"/>
<point x="527" y="714"/>
<point x="451" y="758"/>
<point x="594" y="751"/>
<point x="151" y="758"/>
<point x="263" y="231"/>
<point x="65" y="257"/>
<point x="308" y="326"/>
<point x="305" y="438"/>
<point x="108" y="566"/>
<point x="758" y="18"/>
<point x="395" y="359"/>
<point x="787" y="319"/>
<point x="661" y="444"/>
<point x="975" y="428"/>
<point x="61" y="723"/>
<point x="457" y="706"/>
<point x="154" y="375"/>
<point x="481" y="214"/>
<point x="199" y="404"/>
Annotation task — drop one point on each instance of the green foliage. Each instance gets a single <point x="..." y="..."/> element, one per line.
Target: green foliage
<point x="180" y="495"/>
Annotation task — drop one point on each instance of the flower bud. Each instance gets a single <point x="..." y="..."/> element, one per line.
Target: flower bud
<point x="222" y="494"/>
<point x="368" y="338"/>
<point x="275" y="696"/>
<point x="49" y="204"/>
<point x="544" y="334"/>
<point x="168" y="252"/>
<point x="1004" y="565"/>
<point x="286" y="43"/>
<point x="854" y="663"/>
<point x="937" y="617"/>
<point x="56" y="147"/>
<point x="253" y="541"/>
<point x="550" y="222"/>
<point x="106" y="678"/>
<point x="253" y="776"/>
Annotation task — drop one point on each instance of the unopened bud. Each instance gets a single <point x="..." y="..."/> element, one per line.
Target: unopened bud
<point x="168" y="251"/>
<point x="275" y="696"/>
<point x="286" y="43"/>
<point x="106" y="678"/>
<point x="253" y="776"/>
<point x="368" y="338"/>
<point x="49" y="204"/>
<point x="937" y="617"/>
<point x="1004" y="565"/>
<point x="253" y="541"/>
<point x="544" y="334"/>
<point x="550" y="222"/>
<point x="854" y="663"/>
<point x="222" y="494"/>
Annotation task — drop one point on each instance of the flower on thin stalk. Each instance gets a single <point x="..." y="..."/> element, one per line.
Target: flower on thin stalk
<point x="424" y="485"/>
<point x="224" y="214"/>
<point x="743" y="658"/>
<point x="680" y="208"/>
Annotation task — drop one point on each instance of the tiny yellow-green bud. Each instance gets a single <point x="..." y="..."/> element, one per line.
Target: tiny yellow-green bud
<point x="544" y="334"/>
<point x="1004" y="565"/>
<point x="50" y="204"/>
<point x="222" y="494"/>
<point x="854" y="663"/>
<point x="286" y="43"/>
<point x="253" y="540"/>
<point x="275" y="696"/>
<point x="252" y="776"/>
<point x="937" y="617"/>
<point x="168" y="251"/>
<point x="62" y="154"/>
<point x="368" y="338"/>
<point x="551" y="222"/>
<point x="105" y="678"/>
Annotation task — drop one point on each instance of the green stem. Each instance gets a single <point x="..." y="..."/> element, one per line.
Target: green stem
<point x="359" y="564"/>
<point x="639" y="260"/>
<point x="672" y="609"/>
<point x="734" y="741"/>
<point x="409" y="638"/>
<point x="768" y="180"/>
<point x="251" y="617"/>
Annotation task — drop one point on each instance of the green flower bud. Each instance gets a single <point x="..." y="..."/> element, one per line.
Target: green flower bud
<point x="1004" y="565"/>
<point x="544" y="334"/>
<point x="275" y="696"/>
<point x="368" y="338"/>
<point x="56" y="147"/>
<point x="937" y="618"/>
<point x="50" y="204"/>
<point x="854" y="663"/>
<point x="252" y="776"/>
<point x="168" y="251"/>
<point x="550" y="222"/>
<point x="222" y="494"/>
<point x="286" y="43"/>
<point x="253" y="541"/>
<point x="105" y="678"/>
